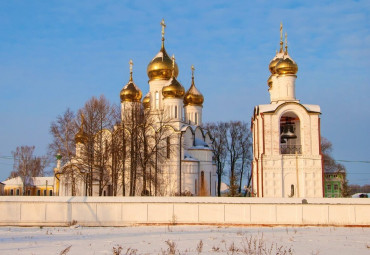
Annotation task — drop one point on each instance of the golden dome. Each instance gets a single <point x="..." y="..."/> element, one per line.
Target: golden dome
<point x="269" y="81"/>
<point x="160" y="68"/>
<point x="193" y="95"/>
<point x="146" y="101"/>
<point x="173" y="90"/>
<point x="273" y="63"/>
<point x="130" y="92"/>
<point x="81" y="136"/>
<point x="286" y="66"/>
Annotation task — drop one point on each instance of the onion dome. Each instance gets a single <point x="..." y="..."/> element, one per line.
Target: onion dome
<point x="81" y="136"/>
<point x="130" y="92"/>
<point x="274" y="61"/>
<point x="173" y="89"/>
<point x="193" y="95"/>
<point x="146" y="101"/>
<point x="279" y="55"/>
<point x="286" y="66"/>
<point x="160" y="68"/>
<point x="269" y="81"/>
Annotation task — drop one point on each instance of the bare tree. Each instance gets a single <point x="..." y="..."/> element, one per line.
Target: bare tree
<point x="218" y="134"/>
<point x="26" y="165"/>
<point x="63" y="131"/>
<point x="246" y="153"/>
<point x="99" y="119"/>
<point x="330" y="165"/>
<point x="234" y="148"/>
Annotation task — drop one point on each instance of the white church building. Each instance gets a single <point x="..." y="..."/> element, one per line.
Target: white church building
<point x="287" y="160"/>
<point x="188" y="168"/>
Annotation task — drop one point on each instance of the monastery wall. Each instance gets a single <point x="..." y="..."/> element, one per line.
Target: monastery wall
<point x="122" y="211"/>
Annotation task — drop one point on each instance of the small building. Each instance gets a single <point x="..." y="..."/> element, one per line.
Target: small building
<point x="36" y="186"/>
<point x="334" y="183"/>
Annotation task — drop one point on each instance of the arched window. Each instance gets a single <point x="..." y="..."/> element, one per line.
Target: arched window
<point x="39" y="192"/>
<point x="44" y="192"/>
<point x="175" y="111"/>
<point x="156" y="100"/>
<point x="290" y="134"/>
<point x="196" y="118"/>
<point x="11" y="192"/>
<point x="17" y="192"/>
<point x="50" y="192"/>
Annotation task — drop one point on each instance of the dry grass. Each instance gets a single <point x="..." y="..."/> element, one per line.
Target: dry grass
<point x="250" y="245"/>
<point x="65" y="251"/>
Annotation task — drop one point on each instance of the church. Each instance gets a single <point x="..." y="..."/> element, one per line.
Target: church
<point x="287" y="159"/>
<point x="186" y="167"/>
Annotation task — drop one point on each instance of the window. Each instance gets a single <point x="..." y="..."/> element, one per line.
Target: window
<point x="328" y="187"/>
<point x="196" y="118"/>
<point x="11" y="192"/>
<point x="29" y="192"/>
<point x="17" y="192"/>
<point x="44" y="193"/>
<point x="39" y="192"/>
<point x="168" y="147"/>
<point x="175" y="112"/>
<point x="291" y="190"/>
<point x="336" y="187"/>
<point x="156" y="100"/>
<point x="50" y="192"/>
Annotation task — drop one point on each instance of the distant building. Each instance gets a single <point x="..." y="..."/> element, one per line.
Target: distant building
<point x="287" y="160"/>
<point x="334" y="184"/>
<point x="37" y="186"/>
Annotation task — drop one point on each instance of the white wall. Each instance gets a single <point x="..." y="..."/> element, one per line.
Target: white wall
<point x="120" y="211"/>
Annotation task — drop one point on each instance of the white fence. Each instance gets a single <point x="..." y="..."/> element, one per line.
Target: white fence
<point x="122" y="211"/>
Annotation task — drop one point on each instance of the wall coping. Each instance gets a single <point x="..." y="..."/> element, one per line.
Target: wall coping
<point x="197" y="200"/>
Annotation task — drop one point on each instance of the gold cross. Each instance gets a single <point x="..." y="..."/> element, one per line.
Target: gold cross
<point x="192" y="71"/>
<point x="281" y="31"/>
<point x="131" y="64"/>
<point x="286" y="39"/>
<point x="163" y="27"/>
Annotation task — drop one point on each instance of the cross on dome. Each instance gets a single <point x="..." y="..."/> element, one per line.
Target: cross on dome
<point x="131" y="65"/>
<point x="163" y="27"/>
<point x="173" y="65"/>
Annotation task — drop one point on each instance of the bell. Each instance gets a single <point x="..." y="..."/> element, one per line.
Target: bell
<point x="288" y="132"/>
<point x="282" y="140"/>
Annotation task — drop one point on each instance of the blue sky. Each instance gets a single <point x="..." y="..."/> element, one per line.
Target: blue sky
<point x="58" y="54"/>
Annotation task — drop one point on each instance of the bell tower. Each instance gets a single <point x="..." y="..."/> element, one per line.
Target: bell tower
<point x="287" y="160"/>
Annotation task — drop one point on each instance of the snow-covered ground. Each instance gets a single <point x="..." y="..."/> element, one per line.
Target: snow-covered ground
<point x="184" y="240"/>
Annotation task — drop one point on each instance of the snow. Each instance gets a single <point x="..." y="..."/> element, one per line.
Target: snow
<point x="186" y="239"/>
<point x="199" y="142"/>
<point x="159" y="55"/>
<point x="36" y="181"/>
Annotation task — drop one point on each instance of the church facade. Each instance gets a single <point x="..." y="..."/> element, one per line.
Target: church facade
<point x="186" y="167"/>
<point x="287" y="160"/>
